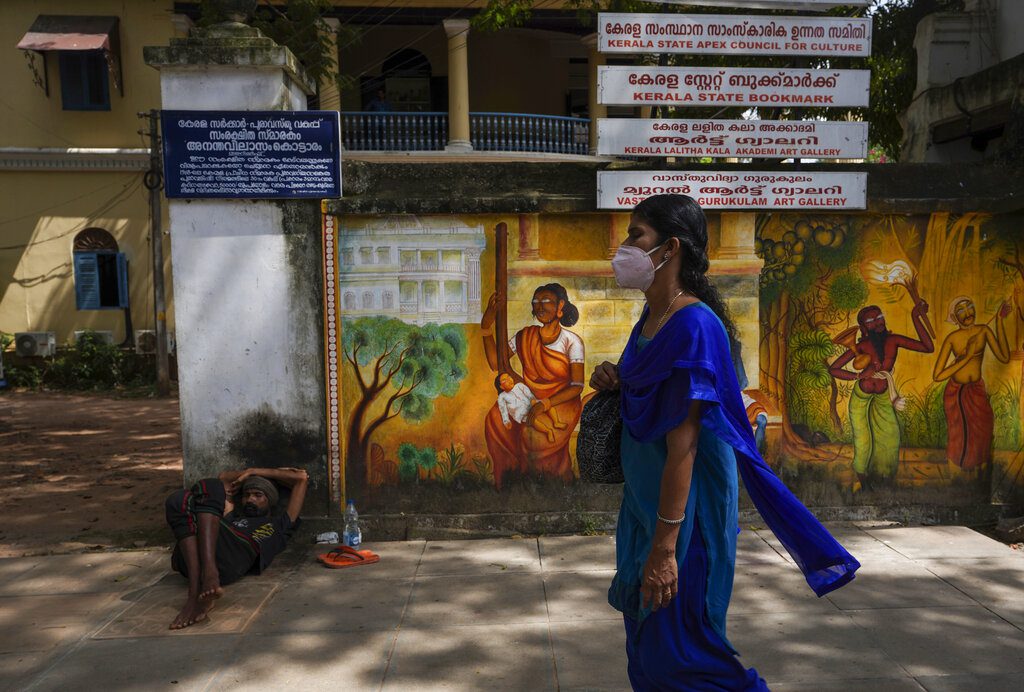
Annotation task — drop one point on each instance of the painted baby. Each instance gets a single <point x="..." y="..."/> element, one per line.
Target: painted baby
<point x="514" y="403"/>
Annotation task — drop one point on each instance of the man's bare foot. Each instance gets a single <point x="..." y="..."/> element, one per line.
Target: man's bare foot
<point x="211" y="588"/>
<point x="194" y="611"/>
<point x="551" y="436"/>
<point x="559" y="425"/>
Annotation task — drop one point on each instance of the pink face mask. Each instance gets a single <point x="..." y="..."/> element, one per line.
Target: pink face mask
<point x="634" y="268"/>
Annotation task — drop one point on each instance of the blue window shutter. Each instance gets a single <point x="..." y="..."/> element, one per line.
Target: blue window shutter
<point x="87" y="281"/>
<point x="122" y="281"/>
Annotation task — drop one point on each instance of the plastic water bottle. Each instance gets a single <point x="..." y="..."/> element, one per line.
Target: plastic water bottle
<point x="353" y="535"/>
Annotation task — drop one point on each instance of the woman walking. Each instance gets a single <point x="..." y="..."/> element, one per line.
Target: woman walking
<point x="684" y="435"/>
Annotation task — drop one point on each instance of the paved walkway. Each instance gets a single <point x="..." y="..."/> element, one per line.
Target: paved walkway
<point x="933" y="609"/>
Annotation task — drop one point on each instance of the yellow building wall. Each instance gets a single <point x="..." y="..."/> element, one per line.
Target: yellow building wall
<point x="37" y="291"/>
<point x="34" y="120"/>
<point x="42" y="211"/>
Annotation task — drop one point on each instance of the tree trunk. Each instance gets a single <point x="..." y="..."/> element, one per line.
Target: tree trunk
<point x="503" y="353"/>
<point x="792" y="442"/>
<point x="833" y="404"/>
<point x="774" y="325"/>
<point x="356" y="467"/>
<point x="764" y="351"/>
<point x="781" y="350"/>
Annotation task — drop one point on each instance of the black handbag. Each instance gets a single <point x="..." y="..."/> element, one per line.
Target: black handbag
<point x="597" y="444"/>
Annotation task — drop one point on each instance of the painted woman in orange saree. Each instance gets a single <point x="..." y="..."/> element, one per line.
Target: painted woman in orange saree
<point x="552" y="367"/>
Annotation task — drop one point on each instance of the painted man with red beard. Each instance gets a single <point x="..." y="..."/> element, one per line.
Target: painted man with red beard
<point x="876" y="432"/>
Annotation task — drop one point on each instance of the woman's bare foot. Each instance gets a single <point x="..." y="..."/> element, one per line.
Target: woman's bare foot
<point x="192" y="612"/>
<point x="211" y="588"/>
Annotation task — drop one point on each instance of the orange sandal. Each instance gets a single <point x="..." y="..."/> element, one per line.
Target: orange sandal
<point x="345" y="556"/>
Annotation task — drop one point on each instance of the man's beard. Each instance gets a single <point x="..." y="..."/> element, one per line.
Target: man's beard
<point x="251" y="510"/>
<point x="878" y="340"/>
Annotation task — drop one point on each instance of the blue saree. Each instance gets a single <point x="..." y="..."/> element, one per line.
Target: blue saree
<point x="689" y="359"/>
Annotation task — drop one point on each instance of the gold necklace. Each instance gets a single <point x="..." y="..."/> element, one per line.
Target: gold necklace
<point x="673" y="302"/>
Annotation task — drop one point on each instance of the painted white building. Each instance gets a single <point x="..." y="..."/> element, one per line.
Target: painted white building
<point x="417" y="270"/>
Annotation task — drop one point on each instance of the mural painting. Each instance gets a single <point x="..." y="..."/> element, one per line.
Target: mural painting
<point x="548" y="386"/>
<point x="463" y="352"/>
<point x="885" y="354"/>
<point x="874" y="394"/>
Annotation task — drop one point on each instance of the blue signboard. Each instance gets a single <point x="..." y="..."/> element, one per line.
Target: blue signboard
<point x="251" y="154"/>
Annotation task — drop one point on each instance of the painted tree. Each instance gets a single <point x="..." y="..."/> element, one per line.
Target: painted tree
<point x="399" y="370"/>
<point x="808" y="286"/>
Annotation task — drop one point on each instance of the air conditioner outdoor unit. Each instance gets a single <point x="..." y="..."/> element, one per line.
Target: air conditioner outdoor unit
<point x="145" y="341"/>
<point x="104" y="336"/>
<point x="28" y="344"/>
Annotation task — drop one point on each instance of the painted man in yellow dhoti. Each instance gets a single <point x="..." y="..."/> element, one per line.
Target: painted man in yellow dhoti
<point x="876" y="432"/>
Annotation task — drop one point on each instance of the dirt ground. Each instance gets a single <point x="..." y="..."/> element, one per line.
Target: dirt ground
<point x="85" y="471"/>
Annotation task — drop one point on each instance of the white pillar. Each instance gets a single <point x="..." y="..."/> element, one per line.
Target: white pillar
<point x="473" y="273"/>
<point x="458" y="85"/>
<point x="255" y="317"/>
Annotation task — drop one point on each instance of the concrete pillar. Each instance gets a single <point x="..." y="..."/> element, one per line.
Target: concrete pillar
<point x="182" y="25"/>
<point x="618" y="228"/>
<point x="737" y="236"/>
<point x="594" y="109"/>
<point x="244" y="272"/>
<point x="529" y="237"/>
<point x="458" y="85"/>
<point x="330" y="96"/>
<point x="740" y="286"/>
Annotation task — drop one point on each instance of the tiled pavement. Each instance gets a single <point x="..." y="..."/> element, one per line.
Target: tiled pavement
<point x="939" y="608"/>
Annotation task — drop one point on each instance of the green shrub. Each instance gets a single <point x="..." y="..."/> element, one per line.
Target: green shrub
<point x="923" y="422"/>
<point x="92" y="364"/>
<point x="1005" y="402"/>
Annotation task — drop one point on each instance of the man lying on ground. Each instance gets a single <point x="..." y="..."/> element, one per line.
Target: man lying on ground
<point x="218" y="543"/>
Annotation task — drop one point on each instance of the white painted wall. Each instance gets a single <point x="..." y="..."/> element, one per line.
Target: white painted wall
<point x="248" y="334"/>
<point x="240" y="333"/>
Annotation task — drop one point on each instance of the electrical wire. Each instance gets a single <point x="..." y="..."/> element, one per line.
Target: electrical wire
<point x="414" y="41"/>
<point x="32" y="122"/>
<point x="127" y="190"/>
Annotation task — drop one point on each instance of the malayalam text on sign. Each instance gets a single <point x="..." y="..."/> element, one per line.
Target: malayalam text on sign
<point x="732" y="138"/>
<point x="730" y="34"/>
<point x="736" y="190"/>
<point x="251" y="154"/>
<point x="737" y="86"/>
<point x="810" y="5"/>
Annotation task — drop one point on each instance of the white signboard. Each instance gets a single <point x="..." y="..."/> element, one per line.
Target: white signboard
<point x="733" y="34"/>
<point x="736" y="189"/>
<point x="805" y="139"/>
<point x="735" y="86"/>
<point x="812" y="5"/>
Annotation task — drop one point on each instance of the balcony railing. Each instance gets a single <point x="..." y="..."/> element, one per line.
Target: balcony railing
<point x="366" y="131"/>
<point x="520" y="132"/>
<point x="369" y="131"/>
